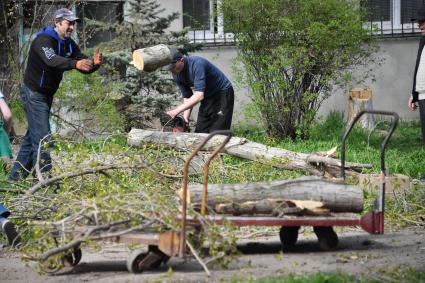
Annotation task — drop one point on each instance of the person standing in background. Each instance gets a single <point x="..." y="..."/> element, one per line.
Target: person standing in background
<point x="418" y="91"/>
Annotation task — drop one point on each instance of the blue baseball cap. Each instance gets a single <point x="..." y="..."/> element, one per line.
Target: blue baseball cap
<point x="66" y="14"/>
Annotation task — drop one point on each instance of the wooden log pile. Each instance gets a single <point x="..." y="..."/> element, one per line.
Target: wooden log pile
<point x="305" y="195"/>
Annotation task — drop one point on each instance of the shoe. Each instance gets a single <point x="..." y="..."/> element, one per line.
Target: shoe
<point x="11" y="234"/>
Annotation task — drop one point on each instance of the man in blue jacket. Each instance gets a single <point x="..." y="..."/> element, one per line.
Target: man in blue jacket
<point x="51" y="53"/>
<point x="201" y="82"/>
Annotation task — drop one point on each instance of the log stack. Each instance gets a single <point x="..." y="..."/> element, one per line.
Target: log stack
<point x="305" y="195"/>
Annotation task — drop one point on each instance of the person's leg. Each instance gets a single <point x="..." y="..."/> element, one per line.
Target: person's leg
<point x="422" y="117"/>
<point x="224" y="116"/>
<point x="37" y="109"/>
<point x="3" y="211"/>
<point x="23" y="162"/>
<point x="39" y="106"/>
<point x="8" y="228"/>
<point x="207" y="114"/>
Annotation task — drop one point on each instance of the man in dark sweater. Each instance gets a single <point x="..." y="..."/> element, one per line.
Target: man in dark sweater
<point x="202" y="82"/>
<point x="51" y="53"/>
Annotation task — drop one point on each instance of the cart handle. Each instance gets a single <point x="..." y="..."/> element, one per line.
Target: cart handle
<point x="383" y="144"/>
<point x="227" y="133"/>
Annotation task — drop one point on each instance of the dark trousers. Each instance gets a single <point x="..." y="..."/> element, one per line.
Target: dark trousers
<point x="3" y="211"/>
<point x="216" y="112"/>
<point x="422" y="116"/>
<point x="37" y="109"/>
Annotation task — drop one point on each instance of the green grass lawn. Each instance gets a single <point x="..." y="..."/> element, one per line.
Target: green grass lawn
<point x="405" y="152"/>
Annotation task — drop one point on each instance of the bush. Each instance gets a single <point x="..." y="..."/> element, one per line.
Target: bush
<point x="293" y="53"/>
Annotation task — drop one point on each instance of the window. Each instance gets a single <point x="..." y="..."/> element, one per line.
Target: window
<point x="196" y="14"/>
<point x="392" y="16"/>
<point x="206" y="22"/>
<point x="105" y="11"/>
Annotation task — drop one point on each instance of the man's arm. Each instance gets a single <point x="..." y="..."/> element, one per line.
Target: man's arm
<point x="7" y="116"/>
<point x="187" y="112"/>
<point x="96" y="62"/>
<point x="188" y="103"/>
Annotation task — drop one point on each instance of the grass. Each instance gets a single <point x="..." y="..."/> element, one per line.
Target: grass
<point x="404" y="153"/>
<point x="405" y="275"/>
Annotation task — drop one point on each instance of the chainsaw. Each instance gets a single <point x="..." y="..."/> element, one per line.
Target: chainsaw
<point x="176" y="125"/>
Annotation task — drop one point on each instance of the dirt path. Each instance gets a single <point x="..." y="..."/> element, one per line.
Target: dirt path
<point x="357" y="253"/>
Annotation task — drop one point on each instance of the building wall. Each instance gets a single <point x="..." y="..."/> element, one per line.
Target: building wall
<point x="391" y="88"/>
<point x="171" y="6"/>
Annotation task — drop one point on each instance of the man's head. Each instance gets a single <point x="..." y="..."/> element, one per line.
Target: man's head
<point x="64" y="20"/>
<point x="177" y="61"/>
<point x="420" y="19"/>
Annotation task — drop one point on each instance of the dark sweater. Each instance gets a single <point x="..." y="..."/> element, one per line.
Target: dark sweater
<point x="48" y="58"/>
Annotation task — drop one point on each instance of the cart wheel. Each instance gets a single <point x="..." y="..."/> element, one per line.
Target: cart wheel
<point x="164" y="258"/>
<point x="288" y="237"/>
<point x="328" y="239"/>
<point x="64" y="264"/>
<point x="140" y="261"/>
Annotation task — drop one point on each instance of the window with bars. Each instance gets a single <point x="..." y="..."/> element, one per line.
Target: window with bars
<point x="196" y="14"/>
<point x="392" y="17"/>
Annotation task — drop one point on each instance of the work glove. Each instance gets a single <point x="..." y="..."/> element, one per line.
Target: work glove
<point x="97" y="57"/>
<point x="84" y="65"/>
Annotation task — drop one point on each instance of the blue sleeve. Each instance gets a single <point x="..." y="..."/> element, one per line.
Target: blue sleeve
<point x="199" y="82"/>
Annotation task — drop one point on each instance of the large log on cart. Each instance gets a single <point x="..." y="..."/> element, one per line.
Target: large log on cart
<point x="280" y="158"/>
<point x="265" y="197"/>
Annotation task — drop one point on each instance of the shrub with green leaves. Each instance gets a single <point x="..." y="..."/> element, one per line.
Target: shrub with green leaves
<point x="87" y="104"/>
<point x="293" y="52"/>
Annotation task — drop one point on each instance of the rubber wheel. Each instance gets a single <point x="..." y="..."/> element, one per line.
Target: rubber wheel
<point x="140" y="260"/>
<point x="328" y="239"/>
<point x="66" y="264"/>
<point x="288" y="237"/>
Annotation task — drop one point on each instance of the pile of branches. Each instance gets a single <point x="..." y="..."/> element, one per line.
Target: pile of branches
<point x="101" y="191"/>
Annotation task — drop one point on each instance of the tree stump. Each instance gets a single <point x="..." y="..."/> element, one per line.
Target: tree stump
<point x="361" y="99"/>
<point x="152" y="58"/>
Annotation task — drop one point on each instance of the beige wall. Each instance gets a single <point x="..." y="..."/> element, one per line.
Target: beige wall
<point x="171" y="6"/>
<point x="391" y="87"/>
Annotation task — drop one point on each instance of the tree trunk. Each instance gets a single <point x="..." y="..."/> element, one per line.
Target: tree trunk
<point x="359" y="100"/>
<point x="336" y="197"/>
<point x="277" y="157"/>
<point x="151" y="58"/>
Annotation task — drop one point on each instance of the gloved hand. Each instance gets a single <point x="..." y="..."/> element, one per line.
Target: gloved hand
<point x="84" y="65"/>
<point x="97" y="57"/>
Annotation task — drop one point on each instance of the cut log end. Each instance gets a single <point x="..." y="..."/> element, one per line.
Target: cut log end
<point x="138" y="60"/>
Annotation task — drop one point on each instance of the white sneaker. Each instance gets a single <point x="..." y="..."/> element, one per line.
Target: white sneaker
<point x="10" y="232"/>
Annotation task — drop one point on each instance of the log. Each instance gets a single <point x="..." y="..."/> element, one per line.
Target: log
<point x="152" y="58"/>
<point x="361" y="99"/>
<point x="337" y="197"/>
<point x="280" y="158"/>
<point x="275" y="207"/>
